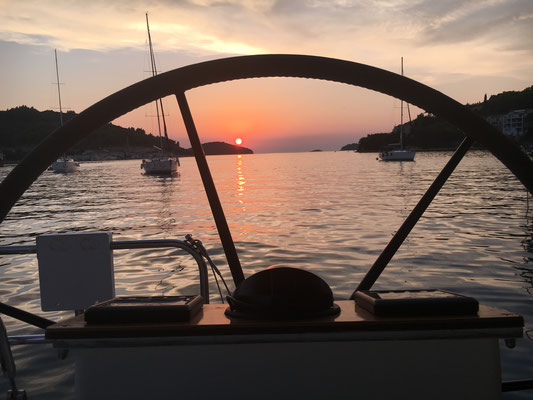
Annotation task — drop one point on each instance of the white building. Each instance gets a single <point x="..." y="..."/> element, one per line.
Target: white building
<point x="512" y="123"/>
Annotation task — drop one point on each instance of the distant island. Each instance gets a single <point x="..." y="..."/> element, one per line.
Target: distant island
<point x="350" y="147"/>
<point x="22" y="128"/>
<point x="220" y="148"/>
<point x="511" y="111"/>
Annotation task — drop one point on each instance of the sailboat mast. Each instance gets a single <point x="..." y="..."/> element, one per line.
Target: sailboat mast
<point x="58" y="90"/>
<point x="401" y="118"/>
<point x="154" y="73"/>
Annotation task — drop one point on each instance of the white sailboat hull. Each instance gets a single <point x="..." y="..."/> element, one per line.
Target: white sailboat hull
<point x="65" y="165"/>
<point x="397" y="155"/>
<point x="160" y="166"/>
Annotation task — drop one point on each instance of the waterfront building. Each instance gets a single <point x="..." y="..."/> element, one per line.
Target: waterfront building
<point x="514" y="123"/>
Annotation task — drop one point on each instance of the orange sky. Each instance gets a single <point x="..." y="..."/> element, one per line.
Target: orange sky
<point x="279" y="114"/>
<point x="464" y="49"/>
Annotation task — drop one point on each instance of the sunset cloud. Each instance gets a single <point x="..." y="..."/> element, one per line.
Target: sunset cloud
<point x="463" y="48"/>
<point x="245" y="27"/>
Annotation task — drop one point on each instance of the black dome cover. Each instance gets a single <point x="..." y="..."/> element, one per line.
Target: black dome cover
<point x="282" y="293"/>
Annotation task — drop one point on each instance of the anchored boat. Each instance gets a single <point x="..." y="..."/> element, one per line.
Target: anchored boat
<point x="281" y="335"/>
<point x="62" y="164"/>
<point x="398" y="153"/>
<point x="161" y="165"/>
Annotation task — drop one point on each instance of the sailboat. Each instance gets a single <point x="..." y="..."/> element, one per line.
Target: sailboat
<point x="400" y="154"/>
<point x="161" y="165"/>
<point x="64" y="163"/>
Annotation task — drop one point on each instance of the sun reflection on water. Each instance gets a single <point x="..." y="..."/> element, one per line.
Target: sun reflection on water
<point x="241" y="181"/>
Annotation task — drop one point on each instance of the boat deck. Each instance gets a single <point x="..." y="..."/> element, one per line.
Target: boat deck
<point x="352" y="355"/>
<point x="211" y="320"/>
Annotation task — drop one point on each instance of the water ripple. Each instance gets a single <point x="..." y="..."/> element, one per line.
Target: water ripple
<point x="331" y="213"/>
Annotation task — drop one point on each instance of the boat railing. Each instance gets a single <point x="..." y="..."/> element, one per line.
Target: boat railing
<point x="190" y="245"/>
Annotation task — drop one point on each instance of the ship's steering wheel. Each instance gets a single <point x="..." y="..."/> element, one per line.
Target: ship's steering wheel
<point x="180" y="80"/>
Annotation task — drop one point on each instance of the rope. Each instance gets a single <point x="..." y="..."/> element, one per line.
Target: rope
<point x="198" y="246"/>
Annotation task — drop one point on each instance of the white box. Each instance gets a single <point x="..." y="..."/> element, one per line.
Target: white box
<point x="75" y="270"/>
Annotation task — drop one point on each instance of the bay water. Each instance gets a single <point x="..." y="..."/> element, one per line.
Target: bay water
<point x="328" y="212"/>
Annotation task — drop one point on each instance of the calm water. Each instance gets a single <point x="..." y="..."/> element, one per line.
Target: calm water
<point x="329" y="212"/>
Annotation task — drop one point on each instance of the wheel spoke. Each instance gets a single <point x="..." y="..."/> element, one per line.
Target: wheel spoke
<point x="373" y="274"/>
<point x="211" y="191"/>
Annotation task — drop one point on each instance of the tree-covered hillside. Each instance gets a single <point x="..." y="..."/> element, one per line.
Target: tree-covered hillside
<point x="429" y="132"/>
<point x="22" y="128"/>
<point x="506" y="102"/>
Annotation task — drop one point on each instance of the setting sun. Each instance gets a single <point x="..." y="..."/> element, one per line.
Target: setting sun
<point x="238" y="141"/>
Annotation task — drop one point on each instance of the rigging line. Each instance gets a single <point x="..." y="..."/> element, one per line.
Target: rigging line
<point x="199" y="246"/>
<point x="154" y="73"/>
<point x="390" y="250"/>
<point x="58" y="90"/>
<point x="216" y="271"/>
<point x="159" y="125"/>
<point x="409" y="113"/>
<point x="164" y="121"/>
<point x="218" y="285"/>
